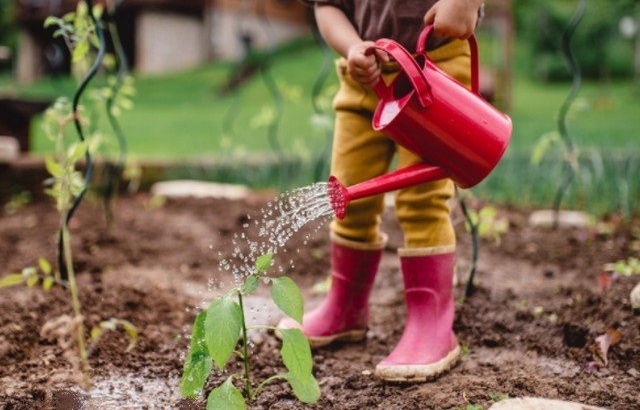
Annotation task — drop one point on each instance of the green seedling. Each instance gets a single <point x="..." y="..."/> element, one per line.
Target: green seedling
<point x="33" y="276"/>
<point x="17" y="201"/>
<point x="488" y="224"/>
<point x="215" y="335"/>
<point x="626" y="267"/>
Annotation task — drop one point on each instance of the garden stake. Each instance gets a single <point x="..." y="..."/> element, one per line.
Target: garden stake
<point x="571" y="156"/>
<point x="76" y="119"/>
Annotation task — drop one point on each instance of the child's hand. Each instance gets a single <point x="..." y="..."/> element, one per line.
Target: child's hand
<point x="363" y="67"/>
<point x="453" y="18"/>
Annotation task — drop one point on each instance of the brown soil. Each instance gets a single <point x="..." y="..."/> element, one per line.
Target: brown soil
<point x="528" y="327"/>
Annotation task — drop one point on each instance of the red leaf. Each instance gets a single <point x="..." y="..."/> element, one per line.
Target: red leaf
<point x="602" y="344"/>
<point x="605" y="279"/>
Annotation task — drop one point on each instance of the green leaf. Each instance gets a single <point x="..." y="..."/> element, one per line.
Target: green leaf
<point x="222" y="328"/>
<point x="77" y="151"/>
<point x="226" y="397"/>
<point x="56" y="170"/>
<point x="32" y="281"/>
<point x="304" y="387"/>
<point x="296" y="353"/>
<point x="264" y="262"/>
<point x="51" y="20"/>
<point x="81" y="50"/>
<point x="250" y="284"/>
<point x="197" y="365"/>
<point x="132" y="332"/>
<point x="47" y="283"/>
<point x="45" y="266"/>
<point x="12" y="280"/>
<point x="287" y="296"/>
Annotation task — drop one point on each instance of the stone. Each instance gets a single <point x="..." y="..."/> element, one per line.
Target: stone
<point x="533" y="403"/>
<point x="9" y="149"/>
<point x="566" y="219"/>
<point x="199" y="189"/>
<point x="635" y="297"/>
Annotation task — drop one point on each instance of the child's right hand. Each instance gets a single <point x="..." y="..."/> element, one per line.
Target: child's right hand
<point x="364" y="67"/>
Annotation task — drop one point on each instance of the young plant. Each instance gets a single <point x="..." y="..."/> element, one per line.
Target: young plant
<point x="215" y="335"/>
<point x="488" y="224"/>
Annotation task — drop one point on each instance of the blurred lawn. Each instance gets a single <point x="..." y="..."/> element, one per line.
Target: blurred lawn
<point x="184" y="115"/>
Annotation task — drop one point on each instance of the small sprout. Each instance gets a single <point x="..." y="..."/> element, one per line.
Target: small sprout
<point x="496" y="397"/>
<point x="537" y="311"/>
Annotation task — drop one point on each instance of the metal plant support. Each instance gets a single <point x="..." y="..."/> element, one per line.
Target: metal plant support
<point x="78" y="125"/>
<point x="571" y="154"/>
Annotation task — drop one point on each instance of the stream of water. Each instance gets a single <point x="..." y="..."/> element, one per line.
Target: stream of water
<point x="278" y="222"/>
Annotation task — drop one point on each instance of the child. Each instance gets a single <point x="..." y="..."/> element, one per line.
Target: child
<point x="428" y="346"/>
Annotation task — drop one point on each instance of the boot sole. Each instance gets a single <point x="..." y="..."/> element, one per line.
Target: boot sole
<point x="321" y="341"/>
<point x="350" y="336"/>
<point x="418" y="372"/>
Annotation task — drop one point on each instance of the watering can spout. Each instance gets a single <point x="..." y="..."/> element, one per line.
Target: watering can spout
<point x="340" y="196"/>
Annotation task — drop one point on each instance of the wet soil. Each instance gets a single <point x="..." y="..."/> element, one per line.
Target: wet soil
<point x="527" y="330"/>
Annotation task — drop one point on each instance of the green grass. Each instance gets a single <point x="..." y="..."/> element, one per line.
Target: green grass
<point x="184" y="116"/>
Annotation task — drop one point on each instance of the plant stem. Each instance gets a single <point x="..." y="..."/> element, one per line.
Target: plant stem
<point x="245" y="351"/>
<point x="75" y="300"/>
<point x="264" y="383"/>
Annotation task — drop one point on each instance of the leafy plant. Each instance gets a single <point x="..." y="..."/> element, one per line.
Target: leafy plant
<point x="32" y="276"/>
<point x="488" y="224"/>
<point x="215" y="335"/>
<point x="627" y="267"/>
<point x="67" y="184"/>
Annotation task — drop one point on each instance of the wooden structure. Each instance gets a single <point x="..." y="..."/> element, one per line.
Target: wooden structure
<point x="163" y="35"/>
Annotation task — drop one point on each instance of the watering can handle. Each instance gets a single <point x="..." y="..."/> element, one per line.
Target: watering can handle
<point x="473" y="44"/>
<point x="410" y="67"/>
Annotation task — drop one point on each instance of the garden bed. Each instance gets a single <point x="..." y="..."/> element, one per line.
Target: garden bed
<point x="537" y="309"/>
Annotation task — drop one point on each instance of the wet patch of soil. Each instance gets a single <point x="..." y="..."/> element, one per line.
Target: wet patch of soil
<point x="526" y="331"/>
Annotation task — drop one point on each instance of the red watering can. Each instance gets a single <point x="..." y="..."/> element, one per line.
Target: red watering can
<point x="457" y="133"/>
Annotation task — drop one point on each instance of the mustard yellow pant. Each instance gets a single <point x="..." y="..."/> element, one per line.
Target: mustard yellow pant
<point x="360" y="153"/>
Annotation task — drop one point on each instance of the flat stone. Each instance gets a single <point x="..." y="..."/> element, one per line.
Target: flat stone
<point x="635" y="297"/>
<point x="533" y="403"/>
<point x="199" y="189"/>
<point x="566" y="219"/>
<point x="9" y="149"/>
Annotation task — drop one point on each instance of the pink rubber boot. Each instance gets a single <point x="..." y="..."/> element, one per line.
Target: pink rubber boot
<point x="428" y="346"/>
<point x="344" y="312"/>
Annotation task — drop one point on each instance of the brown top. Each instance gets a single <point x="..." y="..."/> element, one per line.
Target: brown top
<point x="399" y="20"/>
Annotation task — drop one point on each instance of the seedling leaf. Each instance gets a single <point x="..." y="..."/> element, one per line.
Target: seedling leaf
<point x="197" y="366"/>
<point x="222" y="328"/>
<point x="226" y="397"/>
<point x="250" y="284"/>
<point x="296" y="353"/>
<point x="287" y="296"/>
<point x="81" y="50"/>
<point x="304" y="387"/>
<point x="264" y="262"/>
<point x="47" y="283"/>
<point x="53" y="167"/>
<point x="12" y="280"/>
<point x="32" y="281"/>
<point x="51" y="20"/>
<point x="45" y="266"/>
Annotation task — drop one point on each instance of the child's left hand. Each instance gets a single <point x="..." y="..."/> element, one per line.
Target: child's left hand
<point x="453" y="18"/>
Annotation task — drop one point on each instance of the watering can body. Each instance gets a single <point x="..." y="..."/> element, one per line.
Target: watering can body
<point x="457" y="133"/>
